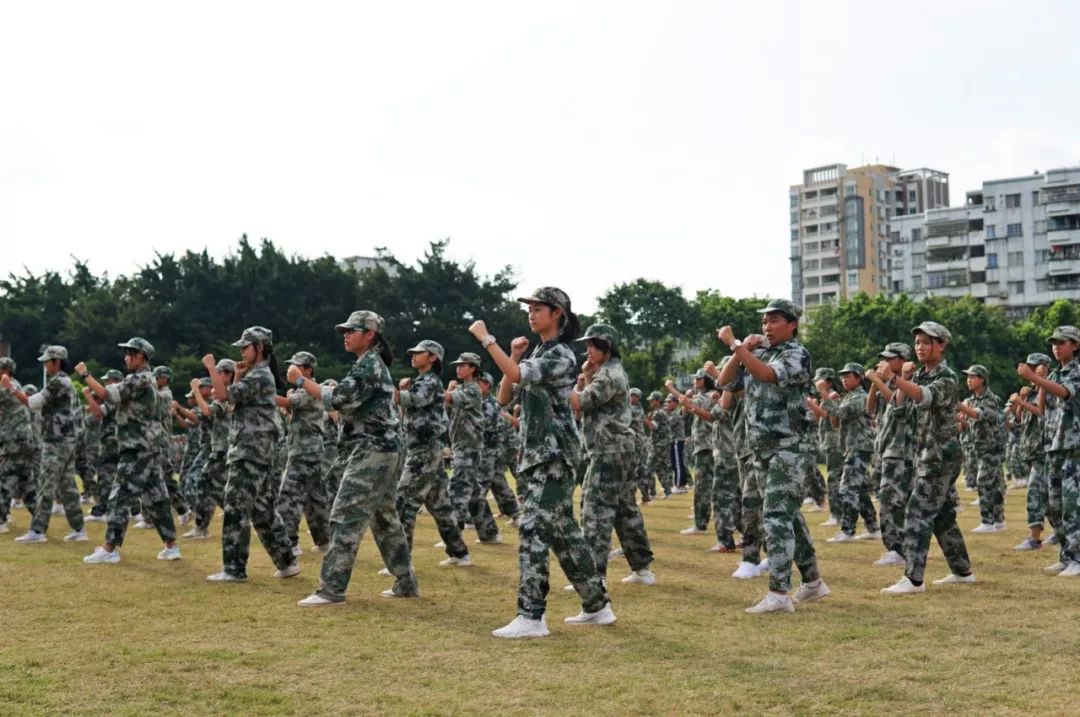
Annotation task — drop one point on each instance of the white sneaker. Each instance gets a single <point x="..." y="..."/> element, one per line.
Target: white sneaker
<point x="288" y="572"/>
<point x="186" y="518"/>
<point x="1000" y="527"/>
<point x="102" y="556"/>
<point x="1020" y="484"/>
<point x="464" y="562"/>
<point x="32" y="536"/>
<point x="172" y="553"/>
<point x="4" y="528"/>
<point x="603" y="616"/>
<point x="95" y="519"/>
<point x="692" y="530"/>
<point x="869" y="535"/>
<point x="297" y="551"/>
<point x="811" y="592"/>
<point x="197" y="533"/>
<point x="440" y="545"/>
<point x="904" y="586"/>
<point x="616" y="553"/>
<point x="984" y="528"/>
<point x="841" y="537"/>
<point x="1028" y="544"/>
<point x="815" y="508"/>
<point x="569" y="589"/>
<point x="314" y="600"/>
<point x="831" y="522"/>
<point x="772" y="602"/>
<point x="763" y="566"/>
<point x="224" y="577"/>
<point x="391" y="594"/>
<point x="1071" y="571"/>
<point x="57" y="509"/>
<point x="76" y="536"/>
<point x="320" y="548"/>
<point x="141" y="524"/>
<point x="890" y="559"/>
<point x="1055" y="568"/>
<point x="497" y="540"/>
<point x="807" y="501"/>
<point x="746" y="571"/>
<point x="953" y="579"/>
<point x="385" y="572"/>
<point x="640" y="577"/>
<point x="523" y="627"/>
<point x="974" y="503"/>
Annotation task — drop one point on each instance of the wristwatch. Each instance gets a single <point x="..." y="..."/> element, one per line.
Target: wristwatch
<point x="488" y="341"/>
<point x="300" y="382"/>
<point x="735" y="344"/>
<point x="84" y="375"/>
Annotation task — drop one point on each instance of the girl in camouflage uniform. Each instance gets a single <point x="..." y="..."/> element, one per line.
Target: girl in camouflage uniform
<point x="110" y="449"/>
<point x="550" y="451"/>
<point x="209" y="487"/>
<point x="1033" y="452"/>
<point x="16" y="447"/>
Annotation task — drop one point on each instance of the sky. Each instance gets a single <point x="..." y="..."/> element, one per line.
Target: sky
<point x="585" y="144"/>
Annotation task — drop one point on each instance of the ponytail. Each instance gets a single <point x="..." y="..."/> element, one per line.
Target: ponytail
<point x="385" y="352"/>
<point x="570" y="327"/>
<point x="275" y="371"/>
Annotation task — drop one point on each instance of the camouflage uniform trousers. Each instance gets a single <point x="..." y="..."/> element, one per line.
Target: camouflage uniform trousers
<point x="991" y="483"/>
<point x="302" y="493"/>
<point x="547" y="524"/>
<point x="725" y="501"/>
<point x="86" y="465"/>
<point x="249" y="503"/>
<point x="470" y="500"/>
<point x="1014" y="461"/>
<point x="834" y="469"/>
<point x="210" y="489"/>
<point x="657" y="468"/>
<point x="971" y="469"/>
<point x="106" y="474"/>
<point x="704" y="476"/>
<point x="873" y="474"/>
<point x="607" y="502"/>
<point x="366" y="497"/>
<point x="855" y="493"/>
<point x="1038" y="490"/>
<point x="787" y="539"/>
<point x="931" y="510"/>
<point x="424" y="483"/>
<point x="1063" y="506"/>
<point x="751" y="508"/>
<point x="639" y="474"/>
<point x="137" y="475"/>
<point x="17" y="478"/>
<point x="813" y="481"/>
<point x="189" y="478"/>
<point x="897" y="475"/>
<point x="332" y="478"/>
<point x="166" y="467"/>
<point x="496" y="483"/>
<point x="56" y="480"/>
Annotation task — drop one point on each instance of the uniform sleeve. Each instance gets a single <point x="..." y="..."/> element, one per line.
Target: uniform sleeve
<point x="550" y="367"/>
<point x="603" y="389"/>
<point x="354" y="390"/>
<point x="1070" y="380"/>
<point x="942" y="391"/>
<point x="791" y="366"/>
<point x="36" y="402"/>
<point x="421" y="393"/>
<point x="850" y="409"/>
<point x="240" y="392"/>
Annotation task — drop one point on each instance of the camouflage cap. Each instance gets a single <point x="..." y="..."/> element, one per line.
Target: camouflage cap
<point x="362" y="321"/>
<point x="206" y="382"/>
<point x="427" y="345"/>
<point x="225" y="365"/>
<point x="783" y="306"/>
<point x="255" y="335"/>
<point x="896" y="350"/>
<point x="602" y="332"/>
<point x="139" y="344"/>
<point x="656" y="396"/>
<point x="8" y="363"/>
<point x="934" y="330"/>
<point x="53" y="352"/>
<point x="700" y="373"/>
<point x="852" y="367"/>
<point x="977" y="370"/>
<point x="163" y="372"/>
<point x="1038" y="359"/>
<point x="113" y="375"/>
<point x="670" y="398"/>
<point x="549" y="295"/>
<point x="825" y="374"/>
<point x="303" y="358"/>
<point x="635" y="392"/>
<point x="467" y="358"/>
<point x="1066" y="333"/>
<point x="486" y="378"/>
<point x="29" y="389"/>
<point x="329" y="382"/>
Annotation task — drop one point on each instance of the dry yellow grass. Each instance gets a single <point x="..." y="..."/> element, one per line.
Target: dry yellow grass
<point x="147" y="637"/>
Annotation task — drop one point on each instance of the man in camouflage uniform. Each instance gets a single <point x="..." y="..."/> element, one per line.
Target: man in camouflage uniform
<point x="726" y="494"/>
<point x="58" y="406"/>
<point x="492" y="472"/>
<point x="1032" y="450"/>
<point x="931" y="509"/>
<point x="466" y="408"/>
<point x="110" y="450"/>
<point x="641" y="447"/>
<point x="16" y="447"/>
<point x="88" y="454"/>
<point x="163" y="440"/>
<point x="987" y="426"/>
<point x="135" y="401"/>
<point x="657" y="466"/>
<point x="701" y="447"/>
<point x="209" y="487"/>
<point x="828" y="437"/>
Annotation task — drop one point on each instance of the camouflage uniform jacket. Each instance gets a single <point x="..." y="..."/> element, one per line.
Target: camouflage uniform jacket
<point x="467" y="418"/>
<point x="109" y="447"/>
<point x="677" y="425"/>
<point x="896" y="437"/>
<point x="637" y="424"/>
<point x="164" y="416"/>
<point x="425" y="416"/>
<point x="605" y="410"/>
<point x="660" y="436"/>
<point x="828" y="434"/>
<point x="16" y="433"/>
<point x="724" y="432"/>
<point x="135" y="401"/>
<point x="701" y="431"/>
<point x="365" y="401"/>
<point x="1032" y="440"/>
<point x="856" y="433"/>
<point x="988" y="431"/>
<point x="492" y="419"/>
<point x="58" y="407"/>
<point x="776" y="412"/>
<point x="548" y="432"/>
<point x="305" y="435"/>
<point x="936" y="430"/>
<point x="1062" y="416"/>
<point x="255" y="422"/>
<point x="220" y="418"/>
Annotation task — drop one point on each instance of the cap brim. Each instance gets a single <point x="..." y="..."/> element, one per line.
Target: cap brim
<point x="43" y="358"/>
<point x="889" y="354"/>
<point x="241" y="343"/>
<point x="530" y="300"/>
<point x="342" y="328"/>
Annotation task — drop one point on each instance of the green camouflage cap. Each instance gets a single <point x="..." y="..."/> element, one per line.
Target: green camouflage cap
<point x="977" y="370"/>
<point x="53" y="352"/>
<point x="362" y="321"/>
<point x="635" y="392"/>
<point x="896" y="350"/>
<point x="29" y="389"/>
<point x="163" y="372"/>
<point x="113" y="375"/>
<point x="852" y="367"/>
<point x="255" y="335"/>
<point x="656" y="396"/>
<point x="205" y="382"/>
<point x="225" y="364"/>
<point x="934" y="330"/>
<point x="139" y="344"/>
<point x="783" y="306"/>
<point x="486" y="378"/>
<point x="8" y="363"/>
<point x="670" y="398"/>
<point x="1066" y="333"/>
<point x="303" y="358"/>
<point x="467" y="358"/>
<point x="429" y="346"/>
<point x="602" y="332"/>
<point x="825" y="374"/>
<point x="700" y="373"/>
<point x="1038" y="359"/>
<point x="331" y="383"/>
<point x="548" y="295"/>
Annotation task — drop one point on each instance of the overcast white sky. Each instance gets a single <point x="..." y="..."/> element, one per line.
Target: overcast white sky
<point x="585" y="143"/>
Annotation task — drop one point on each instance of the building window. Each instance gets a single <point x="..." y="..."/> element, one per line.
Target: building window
<point x="1012" y="201"/>
<point x="1035" y="197"/>
<point x="1016" y="287"/>
<point x="991" y="231"/>
<point x="911" y="196"/>
<point x="853" y="278"/>
<point x="1042" y="256"/>
<point x="991" y="261"/>
<point x="978" y="277"/>
<point x="916" y="282"/>
<point x="1016" y="258"/>
<point x="1014" y="230"/>
<point x="794" y="201"/>
<point x="916" y="234"/>
<point x="1042" y="285"/>
<point x="794" y="235"/>
<point x="977" y="250"/>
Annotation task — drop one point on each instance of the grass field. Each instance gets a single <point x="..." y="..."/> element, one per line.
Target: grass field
<point x="147" y="637"/>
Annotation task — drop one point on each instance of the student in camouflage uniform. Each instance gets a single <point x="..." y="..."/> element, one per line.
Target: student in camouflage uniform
<point x="602" y="397"/>
<point x="677" y="445"/>
<point x="657" y="466"/>
<point x="110" y="450"/>
<point x="828" y="437"/>
<point x="364" y="401"/>
<point x="209" y="487"/>
<point x="895" y="443"/>
<point x="162" y="376"/>
<point x="931" y="508"/>
<point x="16" y="447"/>
<point x="302" y="490"/>
<point x="135" y="404"/>
<point x="466" y="408"/>
<point x="857" y="440"/>
<point x="987" y="427"/>
<point x="491" y="472"/>
<point x="424" y="482"/>
<point x="58" y="407"/>
<point x="701" y="447"/>
<point x="726" y="495"/>
<point x="88" y="454"/>
<point x="1014" y="466"/>
<point x="970" y="457"/>
<point x="551" y="449"/>
<point x="1032" y="452"/>
<point x="199" y="443"/>
<point x="777" y="375"/>
<point x="250" y="485"/>
<point x="637" y="425"/>
<point x="1061" y="414"/>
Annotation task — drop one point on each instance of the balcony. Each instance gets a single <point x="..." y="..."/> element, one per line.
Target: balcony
<point x="1063" y="237"/>
<point x="1057" y="195"/>
<point x="946" y="264"/>
<point x="1063" y="267"/>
